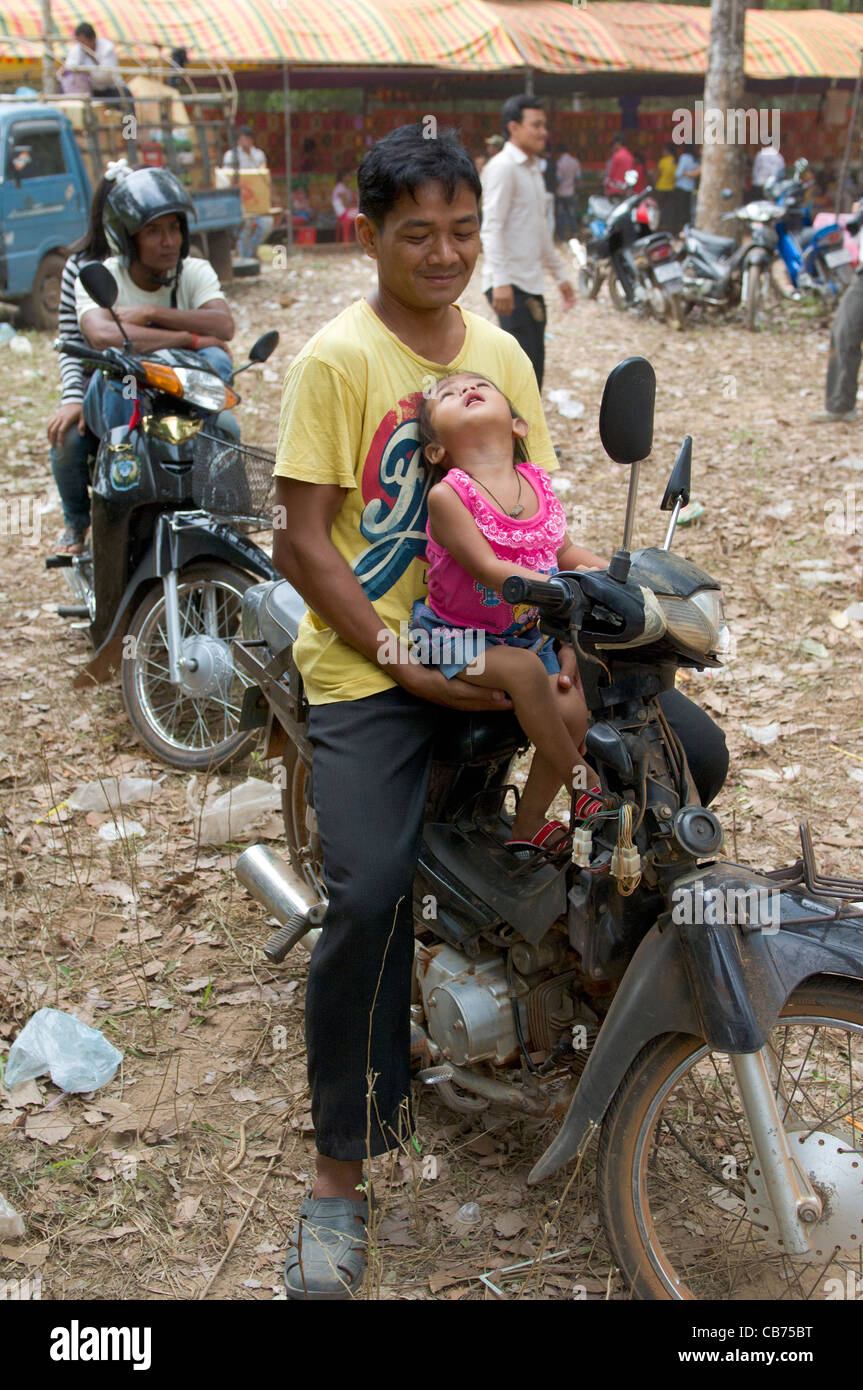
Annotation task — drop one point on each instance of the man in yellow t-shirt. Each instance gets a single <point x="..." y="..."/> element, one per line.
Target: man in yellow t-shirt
<point x="352" y="488"/>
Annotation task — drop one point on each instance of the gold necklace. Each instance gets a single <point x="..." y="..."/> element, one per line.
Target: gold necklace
<point x="518" y="508"/>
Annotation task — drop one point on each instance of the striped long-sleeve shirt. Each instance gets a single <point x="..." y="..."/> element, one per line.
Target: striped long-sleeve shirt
<point x="73" y="375"/>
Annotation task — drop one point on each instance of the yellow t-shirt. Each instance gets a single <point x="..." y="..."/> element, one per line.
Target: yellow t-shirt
<point x="665" y="171"/>
<point x="349" y="411"/>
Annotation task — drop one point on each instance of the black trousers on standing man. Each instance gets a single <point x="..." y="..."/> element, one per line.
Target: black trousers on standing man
<point x="526" y="323"/>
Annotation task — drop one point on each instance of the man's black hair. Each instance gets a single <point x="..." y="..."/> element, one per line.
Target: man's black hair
<point x="86" y="31"/>
<point x="406" y="158"/>
<point x="514" y="109"/>
<point x="246" y="130"/>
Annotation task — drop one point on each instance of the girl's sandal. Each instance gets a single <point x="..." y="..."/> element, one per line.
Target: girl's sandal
<point x="551" y="837"/>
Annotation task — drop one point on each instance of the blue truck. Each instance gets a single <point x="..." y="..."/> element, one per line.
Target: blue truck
<point x="45" y="196"/>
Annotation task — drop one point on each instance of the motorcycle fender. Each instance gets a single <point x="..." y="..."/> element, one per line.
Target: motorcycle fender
<point x="694" y="979"/>
<point x="213" y="541"/>
<point x="758" y="256"/>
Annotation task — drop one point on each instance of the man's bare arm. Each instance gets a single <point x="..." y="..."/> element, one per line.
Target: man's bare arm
<point x="304" y="553"/>
<point x="101" y="331"/>
<point x="213" y="319"/>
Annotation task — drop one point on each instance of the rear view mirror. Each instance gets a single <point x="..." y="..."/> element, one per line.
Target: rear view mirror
<point x="626" y="413"/>
<point x="680" y="482"/>
<point x="264" y="347"/>
<point x="99" y="284"/>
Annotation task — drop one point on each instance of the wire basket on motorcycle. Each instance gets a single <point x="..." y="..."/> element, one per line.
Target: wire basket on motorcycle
<point x="232" y="479"/>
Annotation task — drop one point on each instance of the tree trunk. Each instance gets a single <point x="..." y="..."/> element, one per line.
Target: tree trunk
<point x="721" y="162"/>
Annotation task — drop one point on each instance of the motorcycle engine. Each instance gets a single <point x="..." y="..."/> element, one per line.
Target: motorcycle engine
<point x="469" y="1004"/>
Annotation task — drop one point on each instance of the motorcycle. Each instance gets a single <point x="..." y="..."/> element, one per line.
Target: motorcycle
<point x="640" y="263"/>
<point x="161" y="585"/>
<point x="812" y="259"/>
<point x="704" y="1019"/>
<point x="720" y="274"/>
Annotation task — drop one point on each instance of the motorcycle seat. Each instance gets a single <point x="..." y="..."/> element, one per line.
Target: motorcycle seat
<point x="808" y="235"/>
<point x="273" y="611"/>
<point x="717" y="245"/>
<point x="470" y="739"/>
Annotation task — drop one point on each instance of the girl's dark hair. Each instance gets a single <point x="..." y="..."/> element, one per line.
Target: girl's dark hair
<point x="427" y="435"/>
<point x="406" y="158"/>
<point x="93" y="243"/>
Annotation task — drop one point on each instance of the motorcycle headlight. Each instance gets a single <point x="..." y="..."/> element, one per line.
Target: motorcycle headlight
<point x="203" y="389"/>
<point x="688" y="623"/>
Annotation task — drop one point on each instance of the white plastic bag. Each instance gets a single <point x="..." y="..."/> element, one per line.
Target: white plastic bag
<point x="111" y="792"/>
<point x="234" y="814"/>
<point x="76" y="1056"/>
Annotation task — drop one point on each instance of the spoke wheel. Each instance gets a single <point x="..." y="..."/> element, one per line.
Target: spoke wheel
<point x="680" y="1188"/>
<point x="194" y="724"/>
<point x="617" y="292"/>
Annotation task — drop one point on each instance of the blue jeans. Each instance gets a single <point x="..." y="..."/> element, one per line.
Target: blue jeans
<point x="108" y="403"/>
<point x="255" y="229"/>
<point x="70" y="464"/>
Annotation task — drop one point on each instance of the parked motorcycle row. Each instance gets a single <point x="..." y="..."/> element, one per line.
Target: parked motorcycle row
<point x="778" y="254"/>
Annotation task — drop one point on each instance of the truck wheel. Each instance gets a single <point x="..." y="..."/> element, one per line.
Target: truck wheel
<point x="39" y="309"/>
<point x="219" y="244"/>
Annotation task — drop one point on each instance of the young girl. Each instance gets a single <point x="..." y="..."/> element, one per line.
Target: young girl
<point x="491" y="515"/>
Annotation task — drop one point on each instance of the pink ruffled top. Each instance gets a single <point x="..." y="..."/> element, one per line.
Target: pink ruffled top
<point x="454" y="595"/>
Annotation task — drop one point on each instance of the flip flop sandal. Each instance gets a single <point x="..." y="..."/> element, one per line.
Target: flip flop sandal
<point x="326" y="1256"/>
<point x="70" y="542"/>
<point x="522" y="849"/>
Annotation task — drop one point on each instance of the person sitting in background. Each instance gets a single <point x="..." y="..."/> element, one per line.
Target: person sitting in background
<point x="93" y="62"/>
<point x="566" y="202"/>
<point x="344" y="206"/>
<point x="257" y="227"/>
<point x="666" y="168"/>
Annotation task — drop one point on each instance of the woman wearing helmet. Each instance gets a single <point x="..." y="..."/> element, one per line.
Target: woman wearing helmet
<point x="164" y="299"/>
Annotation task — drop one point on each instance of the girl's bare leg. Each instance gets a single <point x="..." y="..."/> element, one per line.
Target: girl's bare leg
<point x="543" y="783"/>
<point x="539" y="707"/>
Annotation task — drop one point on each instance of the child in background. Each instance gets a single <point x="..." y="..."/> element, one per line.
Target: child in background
<point x="493" y="514"/>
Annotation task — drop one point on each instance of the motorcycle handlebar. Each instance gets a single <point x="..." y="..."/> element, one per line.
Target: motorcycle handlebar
<point x="551" y="595"/>
<point x="86" y="354"/>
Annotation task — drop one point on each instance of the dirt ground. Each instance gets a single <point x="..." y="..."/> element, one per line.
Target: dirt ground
<point x="180" y="1178"/>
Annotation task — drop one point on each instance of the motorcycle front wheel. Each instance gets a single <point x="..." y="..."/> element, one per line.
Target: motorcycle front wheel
<point x="617" y="292"/>
<point x="193" y="725"/>
<point x="756" y="286"/>
<point x="682" y="1197"/>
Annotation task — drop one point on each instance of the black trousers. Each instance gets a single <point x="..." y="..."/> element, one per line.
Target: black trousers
<point x="526" y="323"/>
<point x="371" y="769"/>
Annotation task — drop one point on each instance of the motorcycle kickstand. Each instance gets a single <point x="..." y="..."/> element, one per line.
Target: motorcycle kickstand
<point x="795" y="1202"/>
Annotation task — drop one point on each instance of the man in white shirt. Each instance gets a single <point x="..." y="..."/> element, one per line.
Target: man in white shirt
<point x="517" y="242"/>
<point x="97" y="59"/>
<point x="248" y="156"/>
<point x="768" y="164"/>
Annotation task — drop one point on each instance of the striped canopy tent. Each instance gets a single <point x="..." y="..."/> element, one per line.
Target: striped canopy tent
<point x="458" y="35"/>
<point x="562" y="38"/>
<point x="659" y="38"/>
<point x="802" y="43"/>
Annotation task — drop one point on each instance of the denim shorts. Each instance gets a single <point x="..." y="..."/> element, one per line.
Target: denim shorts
<point x="450" y="649"/>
